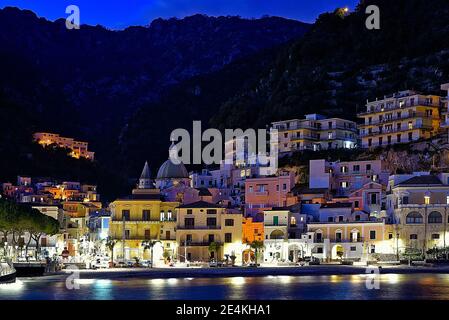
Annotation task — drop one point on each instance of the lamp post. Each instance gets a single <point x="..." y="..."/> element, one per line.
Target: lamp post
<point x="397" y="246"/>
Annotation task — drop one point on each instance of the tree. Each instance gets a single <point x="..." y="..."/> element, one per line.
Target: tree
<point x="257" y="245"/>
<point x="110" y="244"/>
<point x="213" y="247"/>
<point x="150" y="245"/>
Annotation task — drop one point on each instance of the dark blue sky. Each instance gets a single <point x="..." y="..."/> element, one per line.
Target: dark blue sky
<point x="118" y="14"/>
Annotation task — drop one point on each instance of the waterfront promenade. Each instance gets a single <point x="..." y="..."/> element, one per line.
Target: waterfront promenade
<point x="192" y="272"/>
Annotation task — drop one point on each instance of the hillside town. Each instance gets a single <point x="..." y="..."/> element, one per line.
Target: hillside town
<point x="349" y="212"/>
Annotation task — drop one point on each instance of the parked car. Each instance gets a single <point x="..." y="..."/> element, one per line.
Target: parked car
<point x="99" y="262"/>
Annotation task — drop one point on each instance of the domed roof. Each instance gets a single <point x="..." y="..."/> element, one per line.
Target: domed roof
<point x="169" y="170"/>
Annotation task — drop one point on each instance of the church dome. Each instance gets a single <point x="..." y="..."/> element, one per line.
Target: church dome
<point x="169" y="170"/>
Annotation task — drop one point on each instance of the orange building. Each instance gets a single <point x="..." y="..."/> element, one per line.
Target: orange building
<point x="266" y="192"/>
<point x="252" y="230"/>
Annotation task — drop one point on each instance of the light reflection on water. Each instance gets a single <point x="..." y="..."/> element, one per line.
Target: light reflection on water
<point x="352" y="287"/>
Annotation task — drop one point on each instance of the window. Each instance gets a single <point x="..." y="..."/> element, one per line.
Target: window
<point x="356" y="168"/>
<point x="414" y="217"/>
<point x="398" y="138"/>
<point x="162" y="215"/>
<point x="211" y="222"/>
<point x="338" y="237"/>
<point x="353" y="248"/>
<point x="357" y="217"/>
<point x="413" y="237"/>
<point x="405" y="200"/>
<point x="284" y="186"/>
<point x="319" y="237"/>
<point x="147" y="234"/>
<point x="390" y="236"/>
<point x="380" y="141"/>
<point x="228" y="237"/>
<point x="435" y="217"/>
<point x="370" y="142"/>
<point x="426" y="199"/>
<point x="293" y="221"/>
<point x="146" y="214"/>
<point x="189" y="222"/>
<point x="330" y="219"/>
<point x="127" y="234"/>
<point x="356" y="204"/>
<point x="372" y="234"/>
<point x="229" y="222"/>
<point x="189" y="211"/>
<point x="319" y="250"/>
<point x="343" y="169"/>
<point x="329" y="135"/>
<point x="169" y="215"/>
<point x="368" y="167"/>
<point x="275" y="220"/>
<point x="410" y="136"/>
<point x="211" y="211"/>
<point x="250" y="188"/>
<point x="126" y="215"/>
<point x="344" y="184"/>
<point x="435" y="236"/>
<point x="211" y="238"/>
<point x="189" y="238"/>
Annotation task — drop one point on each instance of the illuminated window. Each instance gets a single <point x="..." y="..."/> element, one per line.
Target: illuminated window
<point x="293" y="221"/>
<point x="426" y="199"/>
<point x="344" y="184"/>
<point x="410" y="125"/>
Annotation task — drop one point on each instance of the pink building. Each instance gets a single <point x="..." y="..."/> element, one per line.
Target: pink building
<point x="343" y="178"/>
<point x="264" y="193"/>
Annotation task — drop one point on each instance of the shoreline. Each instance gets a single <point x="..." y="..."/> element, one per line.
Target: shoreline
<point x="323" y="270"/>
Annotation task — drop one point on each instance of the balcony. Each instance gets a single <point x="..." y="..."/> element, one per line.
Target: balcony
<point x="396" y="130"/>
<point x="199" y="227"/>
<point x="275" y="225"/>
<point x="394" y="119"/>
<point x="198" y="244"/>
<point x="396" y="106"/>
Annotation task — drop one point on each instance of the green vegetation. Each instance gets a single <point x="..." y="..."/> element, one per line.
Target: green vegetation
<point x="16" y="219"/>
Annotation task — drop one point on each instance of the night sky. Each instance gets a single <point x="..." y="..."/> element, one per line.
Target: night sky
<point x="118" y="14"/>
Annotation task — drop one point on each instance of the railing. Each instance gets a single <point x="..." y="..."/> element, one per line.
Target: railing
<point x="190" y="227"/>
<point x="395" y="106"/>
<point x="395" y="130"/>
<point x="198" y="243"/>
<point x="406" y="117"/>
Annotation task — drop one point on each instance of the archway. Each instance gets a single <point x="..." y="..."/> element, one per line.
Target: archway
<point x="337" y="252"/>
<point x="277" y="234"/>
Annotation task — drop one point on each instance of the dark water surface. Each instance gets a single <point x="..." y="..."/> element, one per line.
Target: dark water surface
<point x="352" y="287"/>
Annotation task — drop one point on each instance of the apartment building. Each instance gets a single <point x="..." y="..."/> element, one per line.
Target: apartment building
<point x="402" y="117"/>
<point x="200" y="224"/>
<point x="79" y="148"/>
<point x="315" y="132"/>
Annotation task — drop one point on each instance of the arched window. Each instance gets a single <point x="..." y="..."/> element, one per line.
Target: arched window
<point x="435" y="217"/>
<point x="414" y="217"/>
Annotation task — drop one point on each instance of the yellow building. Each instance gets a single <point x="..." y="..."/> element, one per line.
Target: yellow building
<point x="356" y="240"/>
<point x="202" y="223"/>
<point x="402" y="117"/>
<point x="79" y="148"/>
<point x="143" y="216"/>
